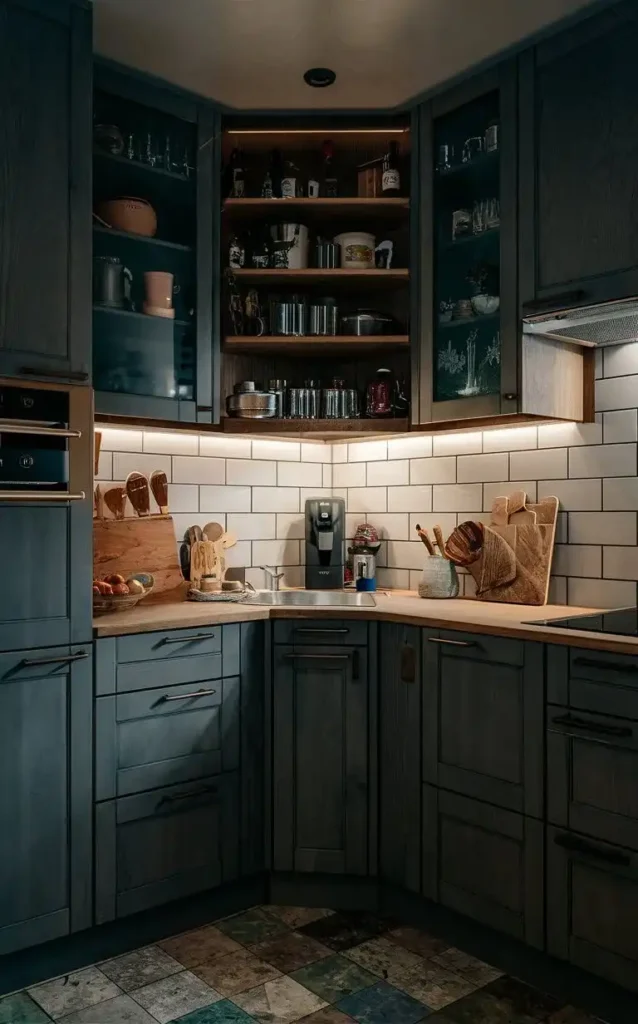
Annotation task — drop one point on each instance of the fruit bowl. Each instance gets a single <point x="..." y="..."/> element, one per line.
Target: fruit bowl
<point x="121" y="602"/>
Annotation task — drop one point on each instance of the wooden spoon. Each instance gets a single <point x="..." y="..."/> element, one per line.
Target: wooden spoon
<point x="438" y="533"/>
<point x="193" y="534"/>
<point x="213" y="531"/>
<point x="138" y="493"/>
<point x="425" y="538"/>
<point x="159" y="487"/>
<point x="115" y="501"/>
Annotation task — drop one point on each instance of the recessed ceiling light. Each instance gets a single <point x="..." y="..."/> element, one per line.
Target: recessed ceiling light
<point x="319" y="78"/>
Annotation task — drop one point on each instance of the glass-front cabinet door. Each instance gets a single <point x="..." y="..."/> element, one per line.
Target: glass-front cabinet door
<point x="467" y="329"/>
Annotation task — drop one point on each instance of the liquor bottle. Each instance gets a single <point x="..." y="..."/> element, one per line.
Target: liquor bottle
<point x="391" y="177"/>
<point x="330" y="182"/>
<point x="237" y="175"/>
<point x="276" y="173"/>
<point x="267" y="186"/>
<point x="290" y="186"/>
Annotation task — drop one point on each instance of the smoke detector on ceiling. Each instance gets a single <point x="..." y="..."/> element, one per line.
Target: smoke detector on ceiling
<point x="319" y="78"/>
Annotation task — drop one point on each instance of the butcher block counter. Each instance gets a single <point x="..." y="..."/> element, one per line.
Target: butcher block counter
<point x="391" y="606"/>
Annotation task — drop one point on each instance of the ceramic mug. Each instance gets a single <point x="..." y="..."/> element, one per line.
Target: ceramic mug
<point x="159" y="290"/>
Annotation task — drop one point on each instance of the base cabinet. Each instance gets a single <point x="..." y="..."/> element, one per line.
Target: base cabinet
<point x="484" y="862"/>
<point x="160" y="846"/>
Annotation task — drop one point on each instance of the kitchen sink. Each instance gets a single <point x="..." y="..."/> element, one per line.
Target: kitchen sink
<point x="312" y="598"/>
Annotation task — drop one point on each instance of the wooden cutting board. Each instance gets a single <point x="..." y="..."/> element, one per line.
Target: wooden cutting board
<point x="137" y="545"/>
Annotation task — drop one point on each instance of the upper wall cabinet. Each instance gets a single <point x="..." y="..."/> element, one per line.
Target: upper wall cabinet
<point x="155" y="283"/>
<point x="45" y="169"/>
<point x="466" y="340"/>
<point x="578" y="158"/>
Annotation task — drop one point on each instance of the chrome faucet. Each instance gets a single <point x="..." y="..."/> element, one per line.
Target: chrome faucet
<point x="272" y="577"/>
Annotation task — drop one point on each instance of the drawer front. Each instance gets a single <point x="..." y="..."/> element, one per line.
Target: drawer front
<point x="593" y="681"/>
<point x="142" y="675"/>
<point x="154" y="738"/>
<point x="169" y="644"/>
<point x="164" y="845"/>
<point x="320" y="631"/>
<point x="592" y="906"/>
<point x="592" y="774"/>
<point x="479" y="647"/>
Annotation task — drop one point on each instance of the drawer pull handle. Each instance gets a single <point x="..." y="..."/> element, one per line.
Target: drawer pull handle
<point x="598" y="728"/>
<point x="62" y="659"/>
<point x="187" y="639"/>
<point x="577" y="845"/>
<point x="605" y="666"/>
<point x="310" y="629"/>
<point x="319" y="657"/>
<point x="187" y="696"/>
<point x="41" y="496"/>
<point x="20" y="428"/>
<point x="452" y="643"/>
<point x="31" y="371"/>
<point x="173" y="798"/>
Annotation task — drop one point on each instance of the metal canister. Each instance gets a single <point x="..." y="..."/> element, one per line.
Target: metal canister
<point x="288" y="318"/>
<point x="323" y="317"/>
<point x="278" y="388"/>
<point x="327" y="255"/>
<point x="364" y="570"/>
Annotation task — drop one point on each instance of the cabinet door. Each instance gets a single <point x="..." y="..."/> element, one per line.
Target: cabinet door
<point x="592" y="906"/>
<point x="320" y="752"/>
<point x="592" y="775"/>
<point x="45" y="213"/>
<point x="160" y="846"/>
<point x="467" y="342"/>
<point x="45" y="801"/>
<point x="467" y="681"/>
<point x="484" y="862"/>
<point x="400" y="754"/>
<point x="578" y="153"/>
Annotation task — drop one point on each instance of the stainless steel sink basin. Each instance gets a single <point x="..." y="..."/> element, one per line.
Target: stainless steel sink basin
<point x="312" y="598"/>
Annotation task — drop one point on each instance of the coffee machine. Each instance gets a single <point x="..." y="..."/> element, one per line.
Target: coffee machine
<point x="325" y="526"/>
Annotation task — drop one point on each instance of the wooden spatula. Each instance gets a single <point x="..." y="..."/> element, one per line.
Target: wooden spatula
<point x="138" y="493"/>
<point x="115" y="501"/>
<point x="213" y="531"/>
<point x="159" y="487"/>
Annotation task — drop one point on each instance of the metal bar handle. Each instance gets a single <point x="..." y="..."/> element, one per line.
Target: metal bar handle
<point x="311" y="629"/>
<point x="452" y="643"/>
<point x="75" y="375"/>
<point x="187" y="639"/>
<point x="186" y="696"/>
<point x="19" y="428"/>
<point x="573" y="722"/>
<point x="173" y="798"/>
<point x="577" y="845"/>
<point x="42" y="496"/>
<point x="321" y="657"/>
<point x="606" y="666"/>
<point x="63" y="659"/>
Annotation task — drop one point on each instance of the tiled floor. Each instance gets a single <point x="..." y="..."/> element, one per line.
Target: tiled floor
<point x="279" y="965"/>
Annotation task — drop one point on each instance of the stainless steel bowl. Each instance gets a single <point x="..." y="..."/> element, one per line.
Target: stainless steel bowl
<point x="252" y="405"/>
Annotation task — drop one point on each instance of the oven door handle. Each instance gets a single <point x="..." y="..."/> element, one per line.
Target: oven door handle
<point x="27" y="429"/>
<point x="42" y="496"/>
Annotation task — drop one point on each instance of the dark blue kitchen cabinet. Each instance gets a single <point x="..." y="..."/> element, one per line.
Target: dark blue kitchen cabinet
<point x="45" y="213"/>
<point x="578" y="220"/>
<point x="46" y="798"/>
<point x="324" y="781"/>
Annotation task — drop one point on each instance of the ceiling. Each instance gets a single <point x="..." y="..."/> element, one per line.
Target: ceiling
<point x="251" y="54"/>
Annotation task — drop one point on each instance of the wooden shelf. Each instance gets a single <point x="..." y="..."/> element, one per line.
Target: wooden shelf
<point x="311" y="275"/>
<point x="320" y="429"/>
<point x="147" y="317"/>
<point x="137" y="165"/>
<point x="344" y="205"/>
<point x="479" y="163"/>
<point x="468" y="321"/>
<point x="99" y="229"/>
<point x="472" y="239"/>
<point x="343" y="344"/>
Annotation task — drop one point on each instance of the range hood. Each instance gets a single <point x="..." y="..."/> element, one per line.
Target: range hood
<point x="608" y="323"/>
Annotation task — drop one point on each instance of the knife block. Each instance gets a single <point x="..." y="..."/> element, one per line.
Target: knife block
<point x="144" y="544"/>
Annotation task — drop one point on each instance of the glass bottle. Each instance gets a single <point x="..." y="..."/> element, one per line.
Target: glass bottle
<point x="379" y="394"/>
<point x="330" y="181"/>
<point x="237" y="175"/>
<point x="391" y="177"/>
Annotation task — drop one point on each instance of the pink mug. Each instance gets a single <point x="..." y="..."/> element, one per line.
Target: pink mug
<point x="159" y="290"/>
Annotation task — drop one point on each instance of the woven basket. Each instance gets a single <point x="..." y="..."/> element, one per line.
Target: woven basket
<point x="439" y="578"/>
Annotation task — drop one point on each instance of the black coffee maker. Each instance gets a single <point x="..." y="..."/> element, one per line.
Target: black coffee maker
<point x="325" y="526"/>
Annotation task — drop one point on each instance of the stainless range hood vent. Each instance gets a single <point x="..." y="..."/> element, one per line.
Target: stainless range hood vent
<point x="609" y="323"/>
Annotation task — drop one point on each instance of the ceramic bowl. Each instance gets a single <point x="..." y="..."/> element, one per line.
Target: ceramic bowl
<point x="485" y="305"/>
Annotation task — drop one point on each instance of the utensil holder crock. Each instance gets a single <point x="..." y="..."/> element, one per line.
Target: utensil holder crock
<point x="439" y="578"/>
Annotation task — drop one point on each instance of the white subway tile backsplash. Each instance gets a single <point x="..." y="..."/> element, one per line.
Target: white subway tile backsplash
<point x="477" y="468"/>
<point x="393" y="579"/>
<point x="276" y="552"/>
<point x="315" y="492"/>
<point x="410" y="448"/>
<point x="409" y="554"/>
<point x="410" y="499"/>
<point x="252" y="525"/>
<point x="183" y="498"/>
<point x="216" y="446"/>
<point x="567" y="435"/>
<point x="620" y="494"/>
<point x="543" y="463"/>
<point x="457" y="444"/>
<point x="620" y="563"/>
<point x="291" y="526"/>
<point x="352" y="521"/>
<point x="367" y="451"/>
<point x="326" y="475"/>
<point x="577" y="560"/>
<point x="602" y="528"/>
<point x="497" y="490"/>
<point x="348" y="474"/>
<point x="617" y="393"/>
<point x="314" y="452"/>
<point x="239" y="555"/>
<point x="198" y="470"/>
<point x="620" y="360"/>
<point x="280" y="451"/>
<point x="601" y="593"/>
<point x="446" y="520"/>
<point x="573" y="495"/>
<point x="388" y="473"/>
<point x="561" y="528"/>
<point x="557" y="590"/>
<point x="115" y="439"/>
<point x="620" y="426"/>
<point x="456" y="497"/>
<point x="224" y="499"/>
<point x="511" y="439"/>
<point x="391" y="525"/>
<point x="339" y="453"/>
<point x="433" y="471"/>
<point x="105" y="466"/>
<point x="295" y="474"/>
<point x="274" y="499"/>
<point x="367" y="499"/>
<point x="603" y="460"/>
<point x="171" y="444"/>
<point x="125" y="463"/>
<point x="252" y="472"/>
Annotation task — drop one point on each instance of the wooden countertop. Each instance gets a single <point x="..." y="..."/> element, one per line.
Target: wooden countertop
<point x="391" y="606"/>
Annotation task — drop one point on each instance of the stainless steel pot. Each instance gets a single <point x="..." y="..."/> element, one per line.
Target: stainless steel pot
<point x="249" y="402"/>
